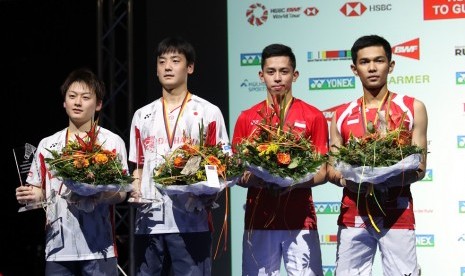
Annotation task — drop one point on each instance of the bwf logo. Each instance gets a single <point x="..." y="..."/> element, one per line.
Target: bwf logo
<point x="410" y="49"/>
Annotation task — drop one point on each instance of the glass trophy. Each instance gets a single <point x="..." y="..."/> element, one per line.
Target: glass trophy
<point x="24" y="156"/>
<point x="148" y="192"/>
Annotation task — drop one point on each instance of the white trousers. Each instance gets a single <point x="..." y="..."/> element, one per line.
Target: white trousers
<point x="357" y="247"/>
<point x="262" y="251"/>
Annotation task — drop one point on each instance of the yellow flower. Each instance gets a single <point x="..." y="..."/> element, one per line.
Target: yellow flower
<point x="101" y="158"/>
<point x="80" y="162"/>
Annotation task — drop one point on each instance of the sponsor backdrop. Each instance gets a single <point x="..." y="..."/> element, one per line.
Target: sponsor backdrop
<point x="428" y="42"/>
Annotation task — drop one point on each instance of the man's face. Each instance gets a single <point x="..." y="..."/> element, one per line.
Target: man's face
<point x="278" y="75"/>
<point x="80" y="103"/>
<point x="172" y="70"/>
<point x="372" y="67"/>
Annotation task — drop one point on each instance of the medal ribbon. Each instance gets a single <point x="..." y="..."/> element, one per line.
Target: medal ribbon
<point x="170" y="133"/>
<point x="386" y="98"/>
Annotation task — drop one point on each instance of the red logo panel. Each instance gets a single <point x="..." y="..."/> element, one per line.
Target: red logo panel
<point x="443" y="9"/>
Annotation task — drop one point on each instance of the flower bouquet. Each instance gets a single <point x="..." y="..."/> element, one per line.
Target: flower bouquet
<point x="278" y="156"/>
<point x="198" y="167"/>
<point x="86" y="168"/>
<point x="380" y="154"/>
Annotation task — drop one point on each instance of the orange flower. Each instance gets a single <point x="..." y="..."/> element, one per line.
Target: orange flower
<point x="100" y="158"/>
<point x="81" y="162"/>
<point x="190" y="149"/>
<point x="283" y="158"/>
<point x="262" y="148"/>
<point x="111" y="154"/>
<point x="220" y="169"/>
<point x="213" y="160"/>
<point x="179" y="162"/>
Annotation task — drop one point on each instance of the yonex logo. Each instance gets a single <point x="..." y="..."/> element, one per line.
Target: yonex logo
<point x="327" y="207"/>
<point x="332" y="83"/>
<point x="460" y="78"/>
<point x="461" y="141"/>
<point x="252" y="59"/>
<point x="353" y="9"/>
<point x="425" y="240"/>
<point x="428" y="175"/>
<point x="410" y="49"/>
<point x="256" y="14"/>
<point x="329" y="270"/>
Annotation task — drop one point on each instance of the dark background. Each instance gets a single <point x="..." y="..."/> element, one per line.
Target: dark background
<point x="41" y="42"/>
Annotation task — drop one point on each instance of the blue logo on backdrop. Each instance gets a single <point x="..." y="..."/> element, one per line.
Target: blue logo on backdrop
<point x="461" y="141"/>
<point x="252" y="59"/>
<point x="460" y="78"/>
<point x="428" y="175"/>
<point x="462" y="207"/>
<point x="331" y="83"/>
<point x="329" y="270"/>
<point x="327" y="207"/>
<point x="425" y="240"/>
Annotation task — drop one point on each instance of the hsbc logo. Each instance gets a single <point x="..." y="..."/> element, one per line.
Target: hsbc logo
<point x="358" y="8"/>
<point x="409" y="49"/>
<point x="311" y="11"/>
<point x="353" y="9"/>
